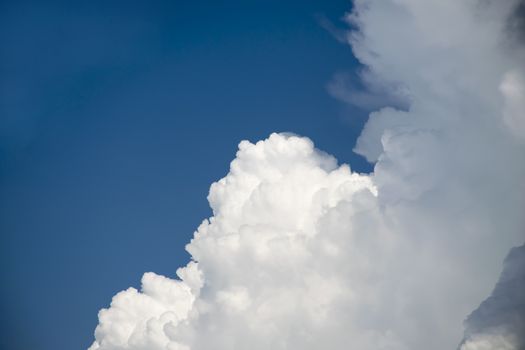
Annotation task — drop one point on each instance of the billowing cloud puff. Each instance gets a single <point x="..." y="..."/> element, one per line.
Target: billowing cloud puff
<point x="262" y="262"/>
<point x="301" y="253"/>
<point x="139" y="320"/>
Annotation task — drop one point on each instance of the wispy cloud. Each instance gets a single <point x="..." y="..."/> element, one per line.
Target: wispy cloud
<point x="339" y="33"/>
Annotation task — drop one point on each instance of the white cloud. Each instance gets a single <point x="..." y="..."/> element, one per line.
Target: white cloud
<point x="304" y="254"/>
<point x="140" y="320"/>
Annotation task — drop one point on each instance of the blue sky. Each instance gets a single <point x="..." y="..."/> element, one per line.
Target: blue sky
<point x="115" y="119"/>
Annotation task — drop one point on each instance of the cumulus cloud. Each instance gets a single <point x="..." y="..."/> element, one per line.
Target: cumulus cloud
<point x="302" y="253"/>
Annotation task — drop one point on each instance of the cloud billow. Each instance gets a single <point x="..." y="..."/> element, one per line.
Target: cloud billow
<point x="302" y="253"/>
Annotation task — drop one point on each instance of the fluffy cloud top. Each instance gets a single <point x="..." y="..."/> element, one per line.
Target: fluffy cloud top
<point x="301" y="253"/>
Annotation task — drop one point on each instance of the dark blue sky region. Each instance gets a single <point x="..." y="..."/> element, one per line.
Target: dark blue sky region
<point x="115" y="117"/>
